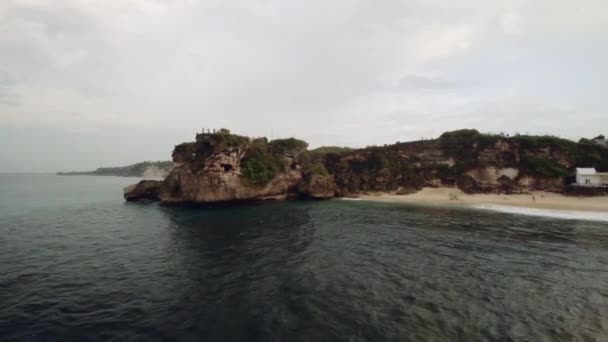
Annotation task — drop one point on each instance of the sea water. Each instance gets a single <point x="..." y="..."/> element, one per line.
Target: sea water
<point x="77" y="263"/>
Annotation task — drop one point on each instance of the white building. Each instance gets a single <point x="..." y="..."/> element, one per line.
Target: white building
<point x="590" y="177"/>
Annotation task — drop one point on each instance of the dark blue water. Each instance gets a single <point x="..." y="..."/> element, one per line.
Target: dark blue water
<point x="78" y="264"/>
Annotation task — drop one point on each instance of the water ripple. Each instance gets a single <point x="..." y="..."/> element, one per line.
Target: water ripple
<point x="101" y="270"/>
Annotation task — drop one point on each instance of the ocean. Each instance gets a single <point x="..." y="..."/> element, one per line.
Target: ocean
<point x="77" y="263"/>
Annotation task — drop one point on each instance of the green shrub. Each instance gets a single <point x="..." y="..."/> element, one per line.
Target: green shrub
<point x="290" y="145"/>
<point x="377" y="160"/>
<point x="542" y="167"/>
<point x="591" y="155"/>
<point x="318" y="169"/>
<point x="220" y="140"/>
<point x="312" y="163"/>
<point x="459" y="144"/>
<point x="332" y="149"/>
<point x="461" y="134"/>
<point x="259" y="166"/>
<point x="531" y="142"/>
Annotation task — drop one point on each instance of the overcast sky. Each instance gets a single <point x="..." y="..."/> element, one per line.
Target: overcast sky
<point x="89" y="83"/>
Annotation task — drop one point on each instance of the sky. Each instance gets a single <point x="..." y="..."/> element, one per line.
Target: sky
<point x="89" y="83"/>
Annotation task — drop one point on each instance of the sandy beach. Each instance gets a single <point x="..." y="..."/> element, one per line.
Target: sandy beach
<point x="537" y="200"/>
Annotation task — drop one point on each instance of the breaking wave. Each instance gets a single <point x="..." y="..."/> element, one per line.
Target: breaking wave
<point x="551" y="213"/>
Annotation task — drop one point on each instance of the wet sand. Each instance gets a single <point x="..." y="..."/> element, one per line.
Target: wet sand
<point x="537" y="200"/>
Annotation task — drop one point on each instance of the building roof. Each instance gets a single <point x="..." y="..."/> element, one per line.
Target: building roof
<point x="585" y="171"/>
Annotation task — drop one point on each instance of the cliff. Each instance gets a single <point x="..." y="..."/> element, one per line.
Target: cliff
<point x="144" y="170"/>
<point x="221" y="167"/>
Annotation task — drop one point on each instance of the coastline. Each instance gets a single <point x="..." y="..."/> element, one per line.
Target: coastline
<point x="534" y="200"/>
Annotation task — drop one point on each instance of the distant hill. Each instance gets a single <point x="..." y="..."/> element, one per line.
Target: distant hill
<point x="332" y="149"/>
<point x="159" y="169"/>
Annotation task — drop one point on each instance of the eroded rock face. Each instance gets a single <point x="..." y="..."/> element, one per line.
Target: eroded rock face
<point x="210" y="170"/>
<point x="144" y="190"/>
<point x="490" y="175"/>
<point x="218" y="167"/>
<point x="490" y="179"/>
<point x="318" y="187"/>
<point x="553" y="184"/>
<point x="222" y="183"/>
<point x="155" y="172"/>
<point x="468" y="184"/>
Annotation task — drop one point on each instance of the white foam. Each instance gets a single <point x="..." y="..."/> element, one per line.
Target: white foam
<point x="559" y="214"/>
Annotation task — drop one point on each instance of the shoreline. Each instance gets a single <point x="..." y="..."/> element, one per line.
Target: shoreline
<point x="534" y="200"/>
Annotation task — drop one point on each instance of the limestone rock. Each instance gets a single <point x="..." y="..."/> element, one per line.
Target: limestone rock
<point x="211" y="170"/>
<point x="318" y="187"/>
<point x="144" y="190"/>
<point x="220" y="183"/>
<point x="467" y="184"/>
<point x="221" y="167"/>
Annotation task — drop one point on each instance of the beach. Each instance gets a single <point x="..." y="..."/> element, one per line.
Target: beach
<point x="536" y="200"/>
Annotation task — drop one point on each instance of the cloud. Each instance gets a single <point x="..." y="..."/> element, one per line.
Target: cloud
<point x="329" y="71"/>
<point x="512" y="23"/>
<point x="6" y="79"/>
<point x="7" y="82"/>
<point x="420" y="82"/>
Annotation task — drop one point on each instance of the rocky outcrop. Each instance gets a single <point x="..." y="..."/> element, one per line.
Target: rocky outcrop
<point x="154" y="171"/>
<point x="222" y="167"/>
<point x="490" y="179"/>
<point x="468" y="184"/>
<point x="144" y="190"/>
<point x="318" y="187"/>
<point x="222" y="183"/>
<point x="541" y="183"/>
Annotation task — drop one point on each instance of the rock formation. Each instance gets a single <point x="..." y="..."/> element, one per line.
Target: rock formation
<point x="318" y="187"/>
<point x="222" y="167"/>
<point x="144" y="190"/>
